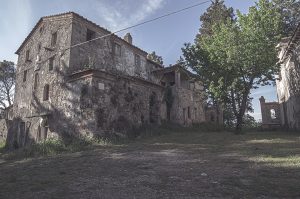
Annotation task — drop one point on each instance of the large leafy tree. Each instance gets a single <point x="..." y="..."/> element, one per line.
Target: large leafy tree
<point x="238" y="56"/>
<point x="216" y="13"/>
<point x="7" y="83"/>
<point x="290" y="12"/>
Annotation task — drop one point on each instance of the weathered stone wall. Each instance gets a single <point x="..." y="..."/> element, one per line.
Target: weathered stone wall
<point x="271" y="114"/>
<point x="3" y="129"/>
<point x="105" y="103"/>
<point x="102" y="53"/>
<point x="92" y="89"/>
<point x="288" y="87"/>
<point x="29" y="103"/>
<point x="187" y="107"/>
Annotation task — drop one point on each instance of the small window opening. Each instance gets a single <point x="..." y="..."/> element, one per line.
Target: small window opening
<point x="137" y="60"/>
<point x="90" y="35"/>
<point x="212" y="118"/>
<point x="117" y="50"/>
<point x="46" y="92"/>
<point x="41" y="29"/>
<point x="273" y="114"/>
<point x="189" y="113"/>
<point x="27" y="54"/>
<point x="36" y="81"/>
<point x="39" y="47"/>
<point x="25" y="76"/>
<point x="53" y="39"/>
<point x="51" y="63"/>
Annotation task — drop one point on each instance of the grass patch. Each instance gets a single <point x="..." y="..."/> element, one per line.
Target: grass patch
<point x="54" y="147"/>
<point x="286" y="162"/>
<point x="2" y="146"/>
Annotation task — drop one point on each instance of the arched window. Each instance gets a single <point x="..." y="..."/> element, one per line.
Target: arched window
<point x="273" y="114"/>
<point x="46" y="92"/>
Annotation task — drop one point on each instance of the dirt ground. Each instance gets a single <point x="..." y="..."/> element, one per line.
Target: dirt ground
<point x="176" y="165"/>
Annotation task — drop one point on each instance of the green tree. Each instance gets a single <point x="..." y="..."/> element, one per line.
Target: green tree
<point x="7" y="83"/>
<point x="216" y="13"/>
<point x="154" y="57"/>
<point x="238" y="56"/>
<point x="290" y="12"/>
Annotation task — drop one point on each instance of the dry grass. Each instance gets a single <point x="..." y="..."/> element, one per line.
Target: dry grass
<point x="176" y="164"/>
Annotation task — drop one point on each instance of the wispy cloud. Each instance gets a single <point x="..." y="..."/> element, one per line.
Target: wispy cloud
<point x="121" y="14"/>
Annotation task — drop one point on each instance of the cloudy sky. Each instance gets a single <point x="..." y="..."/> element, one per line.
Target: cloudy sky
<point x="166" y="36"/>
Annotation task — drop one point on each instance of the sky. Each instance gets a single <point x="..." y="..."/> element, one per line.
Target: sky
<point x="166" y="37"/>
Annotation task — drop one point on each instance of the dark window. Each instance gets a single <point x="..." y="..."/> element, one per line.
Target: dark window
<point x="212" y="118"/>
<point x="195" y="112"/>
<point x="27" y="55"/>
<point x="90" y="35"/>
<point x="25" y="76"/>
<point x="117" y="50"/>
<point x="39" y="47"/>
<point x="46" y="92"/>
<point x="137" y="59"/>
<point x="189" y="112"/>
<point x="53" y="39"/>
<point x="36" y="81"/>
<point x="41" y="29"/>
<point x="51" y="63"/>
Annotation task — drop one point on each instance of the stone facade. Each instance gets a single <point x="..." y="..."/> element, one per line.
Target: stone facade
<point x="98" y="88"/>
<point x="271" y="114"/>
<point x="287" y="109"/>
<point x="288" y="83"/>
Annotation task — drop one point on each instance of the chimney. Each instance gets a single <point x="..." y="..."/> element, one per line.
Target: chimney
<point x="262" y="99"/>
<point x="128" y="38"/>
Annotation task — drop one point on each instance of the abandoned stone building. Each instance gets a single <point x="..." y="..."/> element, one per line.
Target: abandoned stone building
<point x="99" y="87"/>
<point x="287" y="110"/>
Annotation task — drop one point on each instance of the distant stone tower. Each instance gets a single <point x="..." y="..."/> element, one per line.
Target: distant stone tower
<point x="270" y="114"/>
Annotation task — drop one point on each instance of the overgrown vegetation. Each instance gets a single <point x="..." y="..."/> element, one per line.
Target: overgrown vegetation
<point x="53" y="147"/>
<point x="236" y="55"/>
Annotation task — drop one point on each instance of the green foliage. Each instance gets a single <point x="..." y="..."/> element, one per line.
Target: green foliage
<point x="216" y="13"/>
<point x="55" y="146"/>
<point x="290" y="12"/>
<point x="154" y="57"/>
<point x="238" y="56"/>
<point x="250" y="123"/>
<point x="7" y="83"/>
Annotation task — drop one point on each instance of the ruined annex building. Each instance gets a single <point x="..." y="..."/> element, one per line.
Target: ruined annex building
<point x="286" y="112"/>
<point x="100" y="87"/>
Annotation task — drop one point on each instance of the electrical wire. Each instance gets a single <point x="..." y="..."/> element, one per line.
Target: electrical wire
<point x="139" y="24"/>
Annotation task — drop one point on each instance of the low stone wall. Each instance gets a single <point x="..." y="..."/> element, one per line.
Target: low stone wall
<point x="3" y="129"/>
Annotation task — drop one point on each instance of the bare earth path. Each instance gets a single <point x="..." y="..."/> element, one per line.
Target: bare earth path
<point x="177" y="165"/>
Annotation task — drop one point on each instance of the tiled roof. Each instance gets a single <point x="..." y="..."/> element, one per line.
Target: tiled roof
<point x="74" y="14"/>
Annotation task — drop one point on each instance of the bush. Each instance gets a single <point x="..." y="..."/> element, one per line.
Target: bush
<point x="55" y="146"/>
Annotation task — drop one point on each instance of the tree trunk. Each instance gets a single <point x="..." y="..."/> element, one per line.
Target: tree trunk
<point x="242" y="109"/>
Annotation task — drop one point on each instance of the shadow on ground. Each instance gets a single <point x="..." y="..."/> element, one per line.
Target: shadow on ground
<point x="176" y="165"/>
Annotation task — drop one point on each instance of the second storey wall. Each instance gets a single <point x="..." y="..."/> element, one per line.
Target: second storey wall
<point x="111" y="53"/>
